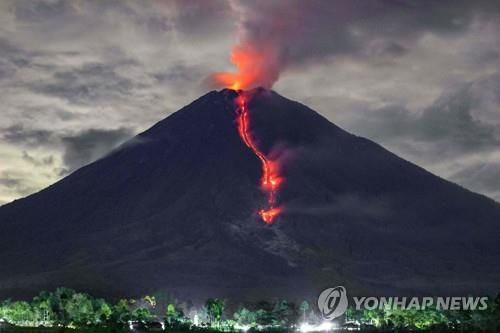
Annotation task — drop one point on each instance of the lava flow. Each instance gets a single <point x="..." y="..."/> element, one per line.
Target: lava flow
<point x="270" y="180"/>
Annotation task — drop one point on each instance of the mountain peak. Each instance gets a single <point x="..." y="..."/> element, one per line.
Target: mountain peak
<point x="176" y="209"/>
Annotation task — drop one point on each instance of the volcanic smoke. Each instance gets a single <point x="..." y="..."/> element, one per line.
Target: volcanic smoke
<point x="255" y="68"/>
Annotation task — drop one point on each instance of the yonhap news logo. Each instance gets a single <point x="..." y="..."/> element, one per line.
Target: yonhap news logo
<point x="333" y="303"/>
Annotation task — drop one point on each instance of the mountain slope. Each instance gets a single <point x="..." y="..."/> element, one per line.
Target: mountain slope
<point x="174" y="208"/>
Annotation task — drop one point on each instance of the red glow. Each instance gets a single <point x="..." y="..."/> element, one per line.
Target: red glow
<point x="271" y="179"/>
<point x="255" y="67"/>
<point x="269" y="214"/>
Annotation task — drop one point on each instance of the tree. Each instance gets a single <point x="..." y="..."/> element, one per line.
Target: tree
<point x="174" y="315"/>
<point x="162" y="300"/>
<point x="285" y="313"/>
<point x="43" y="308"/>
<point x="353" y="314"/>
<point x="142" y="315"/>
<point x="215" y="308"/>
<point x="245" y="317"/>
<point x="19" y="313"/>
<point x="102" y="310"/>
<point x="304" y="307"/>
<point x="377" y="318"/>
<point x="495" y="313"/>
<point x="264" y="314"/>
<point x="66" y="307"/>
<point x="58" y="301"/>
<point x="121" y="313"/>
<point x="151" y="300"/>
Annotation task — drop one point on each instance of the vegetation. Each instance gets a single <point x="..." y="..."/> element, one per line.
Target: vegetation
<point x="69" y="310"/>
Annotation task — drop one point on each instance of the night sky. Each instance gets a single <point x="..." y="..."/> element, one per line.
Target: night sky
<point x="420" y="77"/>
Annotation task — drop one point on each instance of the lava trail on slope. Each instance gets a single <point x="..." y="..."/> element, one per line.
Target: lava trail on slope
<point x="271" y="179"/>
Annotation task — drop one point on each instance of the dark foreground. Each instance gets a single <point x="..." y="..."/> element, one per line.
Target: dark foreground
<point x="110" y="330"/>
<point x="65" y="310"/>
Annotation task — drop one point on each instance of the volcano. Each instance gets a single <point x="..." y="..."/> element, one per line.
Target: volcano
<point x="176" y="209"/>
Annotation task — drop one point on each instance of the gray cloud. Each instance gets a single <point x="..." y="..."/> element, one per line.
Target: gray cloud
<point x="451" y="125"/>
<point x="481" y="177"/>
<point x="19" y="135"/>
<point x="43" y="10"/>
<point x="6" y="69"/>
<point x="48" y="160"/>
<point x="9" y="182"/>
<point x="13" y="54"/>
<point x="311" y="31"/>
<point x="78" y="148"/>
<point x="16" y="182"/>
<point x="197" y="19"/>
<point x="89" y="145"/>
<point x="457" y="136"/>
<point x="451" y="119"/>
<point x="91" y="83"/>
<point x="442" y="125"/>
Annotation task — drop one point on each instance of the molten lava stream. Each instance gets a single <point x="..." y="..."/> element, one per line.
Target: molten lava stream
<point x="270" y="178"/>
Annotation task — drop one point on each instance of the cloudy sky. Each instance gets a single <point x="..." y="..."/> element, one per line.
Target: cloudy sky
<point x="420" y="77"/>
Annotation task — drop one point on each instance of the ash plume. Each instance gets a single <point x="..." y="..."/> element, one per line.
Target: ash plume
<point x="274" y="36"/>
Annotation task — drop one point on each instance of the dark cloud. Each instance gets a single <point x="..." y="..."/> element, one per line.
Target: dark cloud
<point x="13" y="54"/>
<point x="197" y="19"/>
<point x="16" y="182"/>
<point x="89" y="84"/>
<point x="450" y="118"/>
<point x="12" y="58"/>
<point x="48" y="160"/>
<point x="386" y="48"/>
<point x="78" y="148"/>
<point x="179" y="73"/>
<point x="43" y="10"/>
<point x="6" y="69"/>
<point x="89" y="145"/>
<point x="9" y="182"/>
<point x="18" y="134"/>
<point x="450" y="125"/>
<point x="480" y="177"/>
<point x="449" y="136"/>
<point x="305" y="32"/>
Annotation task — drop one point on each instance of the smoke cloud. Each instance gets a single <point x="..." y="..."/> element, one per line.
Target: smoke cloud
<point x="274" y="36"/>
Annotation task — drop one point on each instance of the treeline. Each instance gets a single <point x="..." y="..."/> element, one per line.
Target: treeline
<point x="67" y="308"/>
<point x="430" y="319"/>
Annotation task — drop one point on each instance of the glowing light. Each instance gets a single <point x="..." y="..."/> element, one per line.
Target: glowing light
<point x="271" y="179"/>
<point x="306" y="327"/>
<point x="196" y="320"/>
<point x="243" y="328"/>
<point x="269" y="214"/>
<point x="323" y="327"/>
<point x="255" y="66"/>
<point x="246" y="60"/>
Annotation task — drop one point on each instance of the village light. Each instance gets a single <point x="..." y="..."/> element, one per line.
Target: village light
<point x="242" y="328"/>
<point x="196" y="320"/>
<point x="323" y="327"/>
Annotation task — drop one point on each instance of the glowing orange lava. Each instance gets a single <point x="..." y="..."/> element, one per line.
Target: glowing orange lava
<point x="255" y="67"/>
<point x="270" y="177"/>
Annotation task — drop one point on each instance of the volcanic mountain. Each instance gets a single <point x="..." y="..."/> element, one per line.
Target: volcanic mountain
<point x="175" y="208"/>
